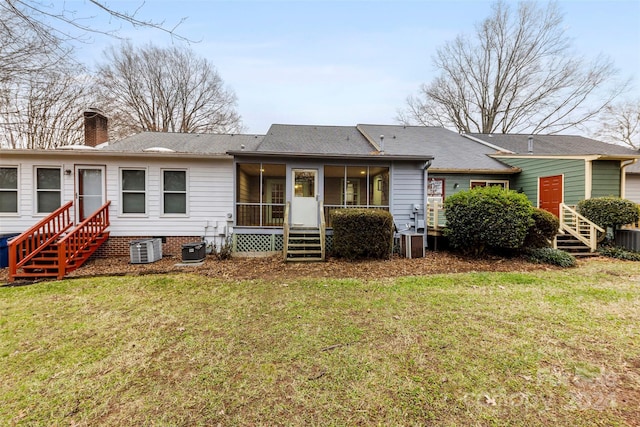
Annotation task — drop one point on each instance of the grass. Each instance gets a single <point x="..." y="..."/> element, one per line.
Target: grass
<point x="543" y="348"/>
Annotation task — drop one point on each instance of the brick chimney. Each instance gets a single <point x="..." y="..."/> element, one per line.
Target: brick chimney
<point x="95" y="127"/>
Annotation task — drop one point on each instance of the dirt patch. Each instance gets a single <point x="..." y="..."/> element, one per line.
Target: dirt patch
<point x="274" y="268"/>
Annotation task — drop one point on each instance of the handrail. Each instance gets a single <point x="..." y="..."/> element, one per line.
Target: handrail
<point x="71" y="245"/>
<point x="580" y="227"/>
<point x="323" y="228"/>
<point x="28" y="244"/>
<point x="285" y="227"/>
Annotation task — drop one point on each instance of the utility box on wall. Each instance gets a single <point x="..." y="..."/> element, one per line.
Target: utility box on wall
<point x="412" y="245"/>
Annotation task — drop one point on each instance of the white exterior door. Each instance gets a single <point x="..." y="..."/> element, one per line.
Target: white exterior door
<point x="89" y="190"/>
<point x="304" y="202"/>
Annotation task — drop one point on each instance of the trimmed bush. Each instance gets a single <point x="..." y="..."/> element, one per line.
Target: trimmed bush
<point x="362" y="233"/>
<point x="552" y="256"/>
<point x="487" y="217"/>
<point x="542" y="231"/>
<point x="609" y="211"/>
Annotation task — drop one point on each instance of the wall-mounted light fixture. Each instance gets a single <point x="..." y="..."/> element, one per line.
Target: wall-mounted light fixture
<point x="67" y="171"/>
<point x="456" y="185"/>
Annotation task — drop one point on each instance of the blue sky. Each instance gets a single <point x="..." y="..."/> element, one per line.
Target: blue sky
<point x="345" y="62"/>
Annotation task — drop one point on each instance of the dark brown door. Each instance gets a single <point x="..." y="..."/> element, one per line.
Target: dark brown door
<point x="551" y="194"/>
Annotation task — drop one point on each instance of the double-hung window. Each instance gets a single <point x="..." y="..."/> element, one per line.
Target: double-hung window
<point x="134" y="191"/>
<point x="8" y="190"/>
<point x="174" y="192"/>
<point x="48" y="189"/>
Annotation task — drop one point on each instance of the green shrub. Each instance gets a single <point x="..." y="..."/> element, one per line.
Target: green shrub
<point x="609" y="211"/>
<point x="551" y="256"/>
<point x="543" y="230"/>
<point x="487" y="217"/>
<point x="619" y="253"/>
<point x="362" y="233"/>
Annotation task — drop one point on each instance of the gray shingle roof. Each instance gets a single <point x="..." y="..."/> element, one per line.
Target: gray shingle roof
<point x="451" y="151"/>
<point x="569" y="145"/>
<point x="193" y="143"/>
<point x="309" y="139"/>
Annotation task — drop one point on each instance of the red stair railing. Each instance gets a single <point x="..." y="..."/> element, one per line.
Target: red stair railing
<point x="73" y="245"/>
<point x="28" y="244"/>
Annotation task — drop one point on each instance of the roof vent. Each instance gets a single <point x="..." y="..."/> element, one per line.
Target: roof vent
<point x="159" y="150"/>
<point x="381" y="144"/>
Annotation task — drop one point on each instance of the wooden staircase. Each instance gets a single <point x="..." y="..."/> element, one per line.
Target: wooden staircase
<point x="304" y="243"/>
<point x="54" y="247"/>
<point x="577" y="235"/>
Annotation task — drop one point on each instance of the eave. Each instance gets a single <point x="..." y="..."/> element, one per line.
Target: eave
<point x="510" y="171"/>
<point x="588" y="157"/>
<point x="376" y="157"/>
<point x="111" y="154"/>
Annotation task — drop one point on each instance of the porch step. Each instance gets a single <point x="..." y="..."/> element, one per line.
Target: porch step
<point x="46" y="263"/>
<point x="304" y="244"/>
<point x="575" y="247"/>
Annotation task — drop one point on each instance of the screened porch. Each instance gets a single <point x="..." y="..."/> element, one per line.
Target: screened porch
<point x="261" y="191"/>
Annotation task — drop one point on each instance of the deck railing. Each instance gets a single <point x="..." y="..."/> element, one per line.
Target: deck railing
<point x="580" y="227"/>
<point x="28" y="244"/>
<point x="285" y="230"/>
<point x="436" y="218"/>
<point x="323" y="229"/>
<point x="75" y="243"/>
<point x="260" y="214"/>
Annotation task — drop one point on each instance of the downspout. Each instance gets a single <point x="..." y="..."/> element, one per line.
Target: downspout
<point x="425" y="174"/>
<point x="623" y="176"/>
<point x="588" y="178"/>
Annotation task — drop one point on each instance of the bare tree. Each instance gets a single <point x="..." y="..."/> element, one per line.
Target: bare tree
<point x="60" y="21"/>
<point x="164" y="90"/>
<point x="515" y="74"/>
<point x="40" y="90"/>
<point x="620" y="123"/>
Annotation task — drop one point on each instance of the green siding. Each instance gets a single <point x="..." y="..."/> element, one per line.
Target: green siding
<point x="605" y="178"/>
<point x="532" y="169"/>
<point x="464" y="181"/>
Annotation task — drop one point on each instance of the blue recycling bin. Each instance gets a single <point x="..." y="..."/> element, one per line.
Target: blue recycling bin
<point x="4" y="248"/>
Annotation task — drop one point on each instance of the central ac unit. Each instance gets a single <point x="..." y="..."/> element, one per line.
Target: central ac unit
<point x="144" y="251"/>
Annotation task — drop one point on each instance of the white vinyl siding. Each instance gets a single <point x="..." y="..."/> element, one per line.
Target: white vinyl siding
<point x="209" y="184"/>
<point x="8" y="190"/>
<point x="632" y="187"/>
<point x="408" y="189"/>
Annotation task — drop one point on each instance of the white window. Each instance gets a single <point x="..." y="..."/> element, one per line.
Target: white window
<point x="48" y="189"/>
<point x="9" y="190"/>
<point x="174" y="192"/>
<point x="133" y="183"/>
<point x="490" y="183"/>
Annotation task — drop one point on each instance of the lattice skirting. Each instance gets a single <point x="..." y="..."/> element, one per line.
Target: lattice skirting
<point x="257" y="242"/>
<point x="265" y="242"/>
